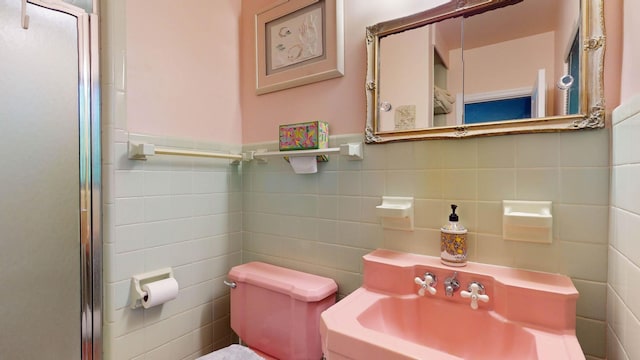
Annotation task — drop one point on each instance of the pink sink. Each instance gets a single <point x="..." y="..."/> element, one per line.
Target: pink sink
<point x="444" y="326"/>
<point x="530" y="315"/>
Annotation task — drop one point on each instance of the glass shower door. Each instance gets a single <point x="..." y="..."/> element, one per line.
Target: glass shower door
<point x="41" y="277"/>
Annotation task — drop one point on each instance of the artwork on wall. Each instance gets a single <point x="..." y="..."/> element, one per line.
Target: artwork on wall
<point x="299" y="42"/>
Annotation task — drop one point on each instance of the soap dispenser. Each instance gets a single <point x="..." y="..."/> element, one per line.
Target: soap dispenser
<point x="453" y="241"/>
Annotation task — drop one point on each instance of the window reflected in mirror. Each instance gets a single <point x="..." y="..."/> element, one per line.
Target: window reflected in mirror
<point x="512" y="75"/>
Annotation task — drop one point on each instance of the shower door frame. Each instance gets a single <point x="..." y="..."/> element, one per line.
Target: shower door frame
<point x="90" y="206"/>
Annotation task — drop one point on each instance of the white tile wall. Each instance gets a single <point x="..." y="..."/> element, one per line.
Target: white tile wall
<point x="623" y="295"/>
<point x="175" y="212"/>
<point x="184" y="214"/>
<point x="165" y="211"/>
<point x="570" y="169"/>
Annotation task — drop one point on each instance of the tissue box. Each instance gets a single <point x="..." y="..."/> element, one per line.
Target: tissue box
<point x="304" y="136"/>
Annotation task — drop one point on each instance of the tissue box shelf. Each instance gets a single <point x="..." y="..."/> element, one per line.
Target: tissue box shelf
<point x="319" y="158"/>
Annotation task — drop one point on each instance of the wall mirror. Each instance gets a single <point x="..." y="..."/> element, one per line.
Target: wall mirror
<point x="486" y="67"/>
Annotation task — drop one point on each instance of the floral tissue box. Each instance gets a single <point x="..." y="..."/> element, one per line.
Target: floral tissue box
<point x="304" y="136"/>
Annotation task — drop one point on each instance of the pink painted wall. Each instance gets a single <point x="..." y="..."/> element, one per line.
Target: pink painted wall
<point x="191" y="69"/>
<point x="613" y="80"/>
<point x="183" y="71"/>
<point x="630" y="84"/>
<point x="339" y="101"/>
<point x="510" y="65"/>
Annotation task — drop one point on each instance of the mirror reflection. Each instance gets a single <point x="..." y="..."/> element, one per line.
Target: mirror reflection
<point x="484" y="68"/>
<point x="514" y="58"/>
<point x="421" y="73"/>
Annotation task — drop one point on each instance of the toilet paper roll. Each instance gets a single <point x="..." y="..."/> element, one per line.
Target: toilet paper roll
<point x="304" y="164"/>
<point x="159" y="292"/>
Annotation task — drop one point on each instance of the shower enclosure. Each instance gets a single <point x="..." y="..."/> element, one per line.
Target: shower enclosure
<point x="50" y="218"/>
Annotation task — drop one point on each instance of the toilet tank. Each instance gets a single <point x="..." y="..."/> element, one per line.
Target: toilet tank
<point x="277" y="310"/>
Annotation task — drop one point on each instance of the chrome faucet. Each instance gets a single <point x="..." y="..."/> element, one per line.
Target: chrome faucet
<point x="451" y="284"/>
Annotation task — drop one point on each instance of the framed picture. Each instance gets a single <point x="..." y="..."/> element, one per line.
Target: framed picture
<point x="299" y="42"/>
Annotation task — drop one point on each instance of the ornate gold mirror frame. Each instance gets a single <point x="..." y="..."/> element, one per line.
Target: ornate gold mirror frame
<point x="590" y="116"/>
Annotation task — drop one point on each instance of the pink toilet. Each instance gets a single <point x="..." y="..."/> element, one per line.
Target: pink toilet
<point x="276" y="311"/>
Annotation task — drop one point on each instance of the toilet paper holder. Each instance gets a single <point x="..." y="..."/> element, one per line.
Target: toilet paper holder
<point x="137" y="281"/>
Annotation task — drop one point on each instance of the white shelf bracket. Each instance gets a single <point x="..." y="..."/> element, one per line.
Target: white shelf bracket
<point x="352" y="150"/>
<point x="141" y="151"/>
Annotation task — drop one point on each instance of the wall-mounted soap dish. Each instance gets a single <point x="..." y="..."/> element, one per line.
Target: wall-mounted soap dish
<point x="396" y="212"/>
<point x="529" y="221"/>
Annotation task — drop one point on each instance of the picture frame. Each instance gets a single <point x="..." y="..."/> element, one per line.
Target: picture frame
<point x="299" y="42"/>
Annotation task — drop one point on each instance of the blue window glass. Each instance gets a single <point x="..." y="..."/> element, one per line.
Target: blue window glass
<point x="496" y="110"/>
<point x="574" y="70"/>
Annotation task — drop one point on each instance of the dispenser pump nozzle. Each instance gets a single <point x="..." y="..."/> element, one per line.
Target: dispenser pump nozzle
<point x="453" y="216"/>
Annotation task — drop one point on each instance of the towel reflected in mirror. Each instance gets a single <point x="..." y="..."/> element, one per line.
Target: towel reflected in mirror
<point x="442" y="101"/>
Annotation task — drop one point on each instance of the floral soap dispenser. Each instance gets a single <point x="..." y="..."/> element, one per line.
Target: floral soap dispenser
<point x="453" y="241"/>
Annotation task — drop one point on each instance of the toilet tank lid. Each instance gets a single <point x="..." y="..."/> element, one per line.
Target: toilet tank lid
<point x="299" y="285"/>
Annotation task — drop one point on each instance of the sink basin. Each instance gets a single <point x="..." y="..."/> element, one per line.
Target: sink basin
<point x="443" y="325"/>
<point x="530" y="315"/>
